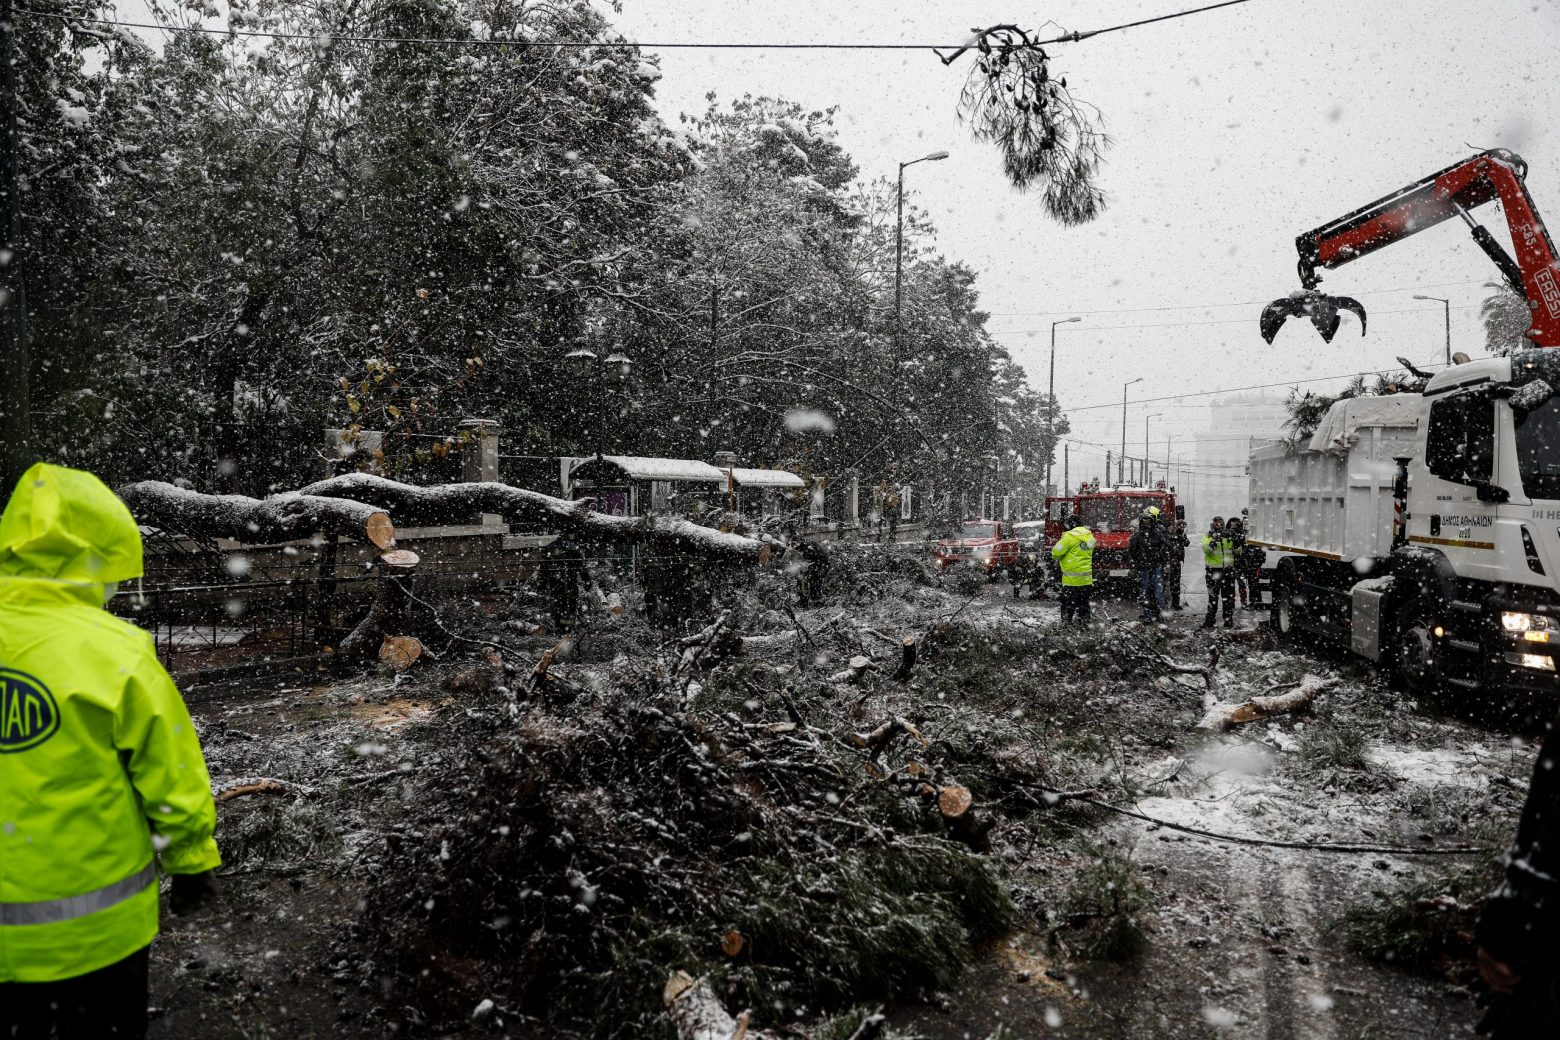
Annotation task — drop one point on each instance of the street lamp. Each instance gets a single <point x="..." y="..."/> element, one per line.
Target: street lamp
<point x="1050" y="424"/>
<point x="899" y="242"/>
<point x="616" y="367"/>
<point x="1146" y="418"/>
<point x="1121" y="464"/>
<point x="1447" y="304"/>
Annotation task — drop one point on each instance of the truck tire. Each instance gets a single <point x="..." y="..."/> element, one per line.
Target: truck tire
<point x="1283" y="620"/>
<point x="1415" y="658"/>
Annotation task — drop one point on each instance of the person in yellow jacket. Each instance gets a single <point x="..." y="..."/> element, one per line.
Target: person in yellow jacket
<point x="101" y="773"/>
<point x="1074" y="553"/>
<point x="1219" y="562"/>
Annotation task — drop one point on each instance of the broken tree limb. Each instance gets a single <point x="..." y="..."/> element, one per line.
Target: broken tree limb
<point x="532" y="510"/>
<point x="255" y="521"/>
<point x="878" y="740"/>
<point x="256" y="785"/>
<point x="1220" y="716"/>
<point x="854" y="671"/>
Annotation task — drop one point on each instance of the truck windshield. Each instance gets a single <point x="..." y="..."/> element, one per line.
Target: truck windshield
<point x="1099" y="513"/>
<point x="976" y="531"/>
<point x="1538" y="450"/>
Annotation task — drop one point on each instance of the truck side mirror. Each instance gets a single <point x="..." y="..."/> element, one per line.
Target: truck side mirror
<point x="1180" y="512"/>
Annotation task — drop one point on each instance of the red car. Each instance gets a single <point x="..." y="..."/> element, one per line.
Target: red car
<point x="989" y="544"/>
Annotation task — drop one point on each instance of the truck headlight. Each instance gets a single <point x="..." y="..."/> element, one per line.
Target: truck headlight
<point x="1516" y="621"/>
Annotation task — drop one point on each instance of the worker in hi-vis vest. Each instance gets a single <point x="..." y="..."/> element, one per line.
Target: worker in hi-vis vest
<point x="1219" y="562"/>
<point x="101" y="773"/>
<point x="1074" y="553"/>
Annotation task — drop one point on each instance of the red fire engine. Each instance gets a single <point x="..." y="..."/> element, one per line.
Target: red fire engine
<point x="1112" y="514"/>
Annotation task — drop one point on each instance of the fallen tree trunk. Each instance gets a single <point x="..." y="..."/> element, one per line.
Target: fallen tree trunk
<point x="1220" y="716"/>
<point x="532" y="510"/>
<point x="256" y="785"/>
<point x="256" y="521"/>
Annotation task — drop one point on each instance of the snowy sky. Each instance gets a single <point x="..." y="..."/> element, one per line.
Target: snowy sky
<point x="1235" y="131"/>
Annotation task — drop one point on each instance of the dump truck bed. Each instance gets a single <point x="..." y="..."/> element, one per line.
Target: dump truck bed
<point x="1332" y="498"/>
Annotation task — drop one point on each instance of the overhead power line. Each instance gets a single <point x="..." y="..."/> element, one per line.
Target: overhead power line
<point x="1227" y="303"/>
<point x="1214" y="321"/>
<point x="1239" y="389"/>
<point x="424" y="41"/>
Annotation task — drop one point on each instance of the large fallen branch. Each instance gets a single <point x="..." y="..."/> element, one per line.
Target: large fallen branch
<point x="255" y="521"/>
<point x="1220" y="716"/>
<point x="698" y="1013"/>
<point x="532" y="510"/>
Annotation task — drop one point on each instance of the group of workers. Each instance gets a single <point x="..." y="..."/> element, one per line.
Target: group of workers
<point x="1230" y="566"/>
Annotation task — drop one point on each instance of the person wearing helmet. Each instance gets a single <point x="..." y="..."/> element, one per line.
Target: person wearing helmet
<point x="1219" y="569"/>
<point x="102" y="780"/>
<point x="1177" y="546"/>
<point x="1147" y="551"/>
<point x="1074" y="552"/>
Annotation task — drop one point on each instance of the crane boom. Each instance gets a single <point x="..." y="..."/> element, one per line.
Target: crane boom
<point x="1453" y="192"/>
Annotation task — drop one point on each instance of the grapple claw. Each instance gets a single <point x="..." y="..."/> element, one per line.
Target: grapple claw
<point x="1319" y="307"/>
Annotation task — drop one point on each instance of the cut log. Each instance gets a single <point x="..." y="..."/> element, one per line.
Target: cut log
<point x="858" y="667"/>
<point x="954" y="801"/>
<point x="698" y="1014"/>
<point x="532" y="510"/>
<point x="1221" y="716"/>
<point x="255" y="521"/>
<point x="551" y="654"/>
<point x="400" y="652"/>
<point x="390" y="613"/>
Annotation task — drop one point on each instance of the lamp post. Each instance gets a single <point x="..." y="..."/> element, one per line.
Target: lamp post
<point x="899" y="241"/>
<point x="1447" y="305"/>
<point x="1121" y="465"/>
<point x="587" y="364"/>
<point x="1050" y="422"/>
<point x="1146" y="418"/>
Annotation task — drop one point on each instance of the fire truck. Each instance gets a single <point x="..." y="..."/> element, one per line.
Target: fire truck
<point x="1112" y="513"/>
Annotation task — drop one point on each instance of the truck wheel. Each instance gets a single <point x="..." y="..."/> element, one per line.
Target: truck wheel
<point x="1284" y="607"/>
<point x="1415" y="659"/>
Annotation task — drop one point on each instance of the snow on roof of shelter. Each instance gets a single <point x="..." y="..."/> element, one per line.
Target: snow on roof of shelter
<point x="1340" y="427"/>
<point x="641" y="468"/>
<point x="766" y="478"/>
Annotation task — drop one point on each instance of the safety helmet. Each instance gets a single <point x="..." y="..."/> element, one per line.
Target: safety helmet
<point x="1217" y="521"/>
<point x="1152" y="512"/>
<point x="1072" y="520"/>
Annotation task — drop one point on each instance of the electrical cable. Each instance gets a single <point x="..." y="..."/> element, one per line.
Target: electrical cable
<point x="1072" y="37"/>
<point x="1214" y="321"/>
<point x="1231" y="303"/>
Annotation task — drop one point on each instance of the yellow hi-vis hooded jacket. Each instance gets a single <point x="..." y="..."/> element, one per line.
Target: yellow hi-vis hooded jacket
<point x="1074" y="551"/>
<point x="101" y="772"/>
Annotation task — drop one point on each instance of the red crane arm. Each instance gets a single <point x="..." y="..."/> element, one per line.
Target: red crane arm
<point x="1495" y="174"/>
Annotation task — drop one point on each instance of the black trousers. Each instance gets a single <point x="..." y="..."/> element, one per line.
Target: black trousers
<point x="107" y="1004"/>
<point x="1075" y="602"/>
<point x="1221" y="587"/>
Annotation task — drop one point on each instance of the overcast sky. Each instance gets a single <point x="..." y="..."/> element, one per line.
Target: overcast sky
<point x="1235" y="131"/>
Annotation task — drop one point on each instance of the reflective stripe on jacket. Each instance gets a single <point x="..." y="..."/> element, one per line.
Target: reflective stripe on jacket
<point x="1075" y="552"/>
<point x="1218" y="553"/>
<point x="97" y="751"/>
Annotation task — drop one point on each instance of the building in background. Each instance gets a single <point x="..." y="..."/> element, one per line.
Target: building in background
<point x="1212" y="471"/>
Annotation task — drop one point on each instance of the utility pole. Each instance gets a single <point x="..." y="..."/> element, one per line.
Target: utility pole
<point x="16" y="451"/>
<point x="1066" y="464"/>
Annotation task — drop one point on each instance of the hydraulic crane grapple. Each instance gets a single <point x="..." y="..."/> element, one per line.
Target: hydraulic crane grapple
<point x="1453" y="192"/>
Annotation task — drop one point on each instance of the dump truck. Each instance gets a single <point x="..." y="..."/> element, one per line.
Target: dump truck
<point x="1422" y="529"/>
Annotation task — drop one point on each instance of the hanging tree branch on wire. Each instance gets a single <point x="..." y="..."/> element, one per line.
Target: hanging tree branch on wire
<point x="1049" y="138"/>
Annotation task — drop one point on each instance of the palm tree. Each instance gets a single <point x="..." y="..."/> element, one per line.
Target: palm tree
<point x="1506" y="317"/>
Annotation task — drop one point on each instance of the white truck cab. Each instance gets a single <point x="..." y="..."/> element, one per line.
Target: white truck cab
<point x="1423" y="530"/>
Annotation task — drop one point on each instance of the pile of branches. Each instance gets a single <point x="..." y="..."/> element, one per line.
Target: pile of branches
<point x="769" y="826"/>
